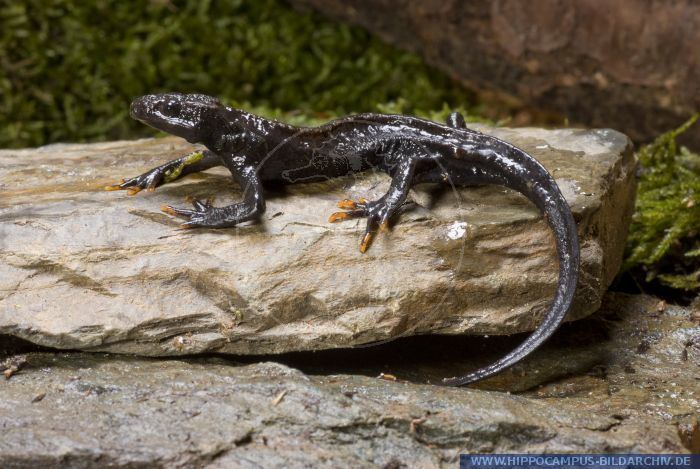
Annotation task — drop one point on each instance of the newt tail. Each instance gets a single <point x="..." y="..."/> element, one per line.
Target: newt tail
<point x="549" y="199"/>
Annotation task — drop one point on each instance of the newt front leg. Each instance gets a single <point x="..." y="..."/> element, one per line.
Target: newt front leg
<point x="206" y="215"/>
<point x="168" y="172"/>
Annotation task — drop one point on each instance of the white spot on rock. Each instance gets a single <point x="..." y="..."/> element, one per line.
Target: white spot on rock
<point x="457" y="230"/>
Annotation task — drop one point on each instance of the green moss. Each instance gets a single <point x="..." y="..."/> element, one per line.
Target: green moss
<point x="308" y="118"/>
<point x="68" y="69"/>
<point x="664" y="239"/>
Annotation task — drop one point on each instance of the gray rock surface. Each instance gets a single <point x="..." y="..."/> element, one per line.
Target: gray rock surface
<point x="635" y="392"/>
<point x="82" y="268"/>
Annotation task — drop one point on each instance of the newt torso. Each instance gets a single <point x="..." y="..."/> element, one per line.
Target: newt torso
<point x="287" y="154"/>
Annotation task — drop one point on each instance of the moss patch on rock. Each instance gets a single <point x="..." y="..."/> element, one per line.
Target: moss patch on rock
<point x="664" y="241"/>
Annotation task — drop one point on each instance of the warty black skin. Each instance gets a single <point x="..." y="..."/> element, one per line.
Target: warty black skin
<point x="410" y="150"/>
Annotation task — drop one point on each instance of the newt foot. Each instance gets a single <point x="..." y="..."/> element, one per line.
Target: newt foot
<point x="148" y="181"/>
<point x="376" y="212"/>
<point x="202" y="215"/>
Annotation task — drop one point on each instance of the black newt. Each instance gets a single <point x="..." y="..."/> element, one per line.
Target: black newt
<point x="409" y="149"/>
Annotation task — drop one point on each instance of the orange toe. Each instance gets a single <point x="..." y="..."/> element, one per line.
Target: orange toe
<point x="347" y="204"/>
<point x="338" y="216"/>
<point x="366" y="239"/>
<point x="167" y="209"/>
<point x="133" y="190"/>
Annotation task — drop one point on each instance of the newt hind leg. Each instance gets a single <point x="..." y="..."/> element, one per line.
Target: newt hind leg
<point x="168" y="172"/>
<point x="380" y="211"/>
<point x="456" y="120"/>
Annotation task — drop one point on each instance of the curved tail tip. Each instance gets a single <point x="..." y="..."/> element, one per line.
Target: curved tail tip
<point x="460" y="380"/>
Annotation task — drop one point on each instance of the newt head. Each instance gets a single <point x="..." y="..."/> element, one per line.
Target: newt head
<point x="190" y="116"/>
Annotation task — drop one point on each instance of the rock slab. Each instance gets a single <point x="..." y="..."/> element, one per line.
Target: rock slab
<point x="94" y="410"/>
<point x="82" y="268"/>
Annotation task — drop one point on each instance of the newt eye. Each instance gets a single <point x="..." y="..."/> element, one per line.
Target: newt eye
<point x="172" y="108"/>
